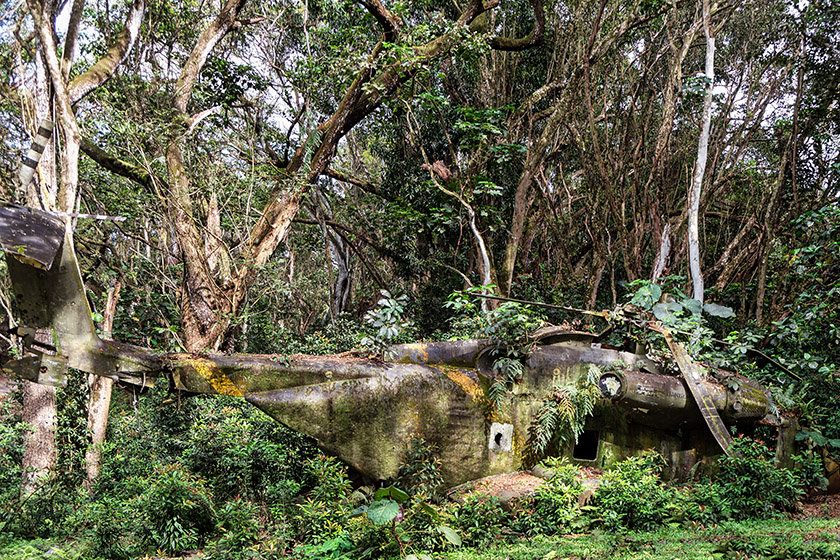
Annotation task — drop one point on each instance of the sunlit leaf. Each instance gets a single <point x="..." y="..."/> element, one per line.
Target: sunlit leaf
<point x="693" y="305"/>
<point x="450" y="535"/>
<point x="383" y="512"/>
<point x="716" y="310"/>
<point x="665" y="313"/>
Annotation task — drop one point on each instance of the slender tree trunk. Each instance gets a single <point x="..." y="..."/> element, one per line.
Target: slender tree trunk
<point x="663" y="254"/>
<point x="39" y="443"/>
<point x="100" y="395"/>
<point x="700" y="165"/>
<point x="599" y="264"/>
<point x="769" y="234"/>
<point x="39" y="410"/>
<point x="522" y="201"/>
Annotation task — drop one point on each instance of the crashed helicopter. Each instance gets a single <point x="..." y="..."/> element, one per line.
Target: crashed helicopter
<point x="366" y="410"/>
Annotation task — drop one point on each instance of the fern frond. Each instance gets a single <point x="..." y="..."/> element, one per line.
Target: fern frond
<point x="562" y="416"/>
<point x="593" y="374"/>
<point x="497" y="395"/>
<point x="544" y="426"/>
<point x="565" y="406"/>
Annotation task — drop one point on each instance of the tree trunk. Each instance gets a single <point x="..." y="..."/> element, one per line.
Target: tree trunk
<point x="39" y="410"/>
<point x="39" y="444"/>
<point x="663" y="254"/>
<point x="521" y="205"/>
<point x="100" y="395"/>
<point x="700" y="164"/>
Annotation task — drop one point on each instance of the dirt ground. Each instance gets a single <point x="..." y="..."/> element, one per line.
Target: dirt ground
<point x="821" y="506"/>
<point x="7" y="385"/>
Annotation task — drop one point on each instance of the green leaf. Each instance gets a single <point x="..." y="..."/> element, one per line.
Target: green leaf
<point x="383" y="512"/>
<point x="819" y="439"/>
<point x="692" y="305"/>
<point x="391" y="492"/>
<point x="398" y="495"/>
<point x="433" y="513"/>
<point x="716" y="310"/>
<point x="450" y="535"/>
<point x="803" y="435"/>
<point x="646" y="296"/>
<point x="655" y="291"/>
<point x="358" y="512"/>
<point x="665" y="312"/>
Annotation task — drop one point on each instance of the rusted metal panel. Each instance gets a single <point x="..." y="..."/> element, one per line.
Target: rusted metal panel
<point x="31" y="236"/>
<point x="454" y="352"/>
<point x="40" y="368"/>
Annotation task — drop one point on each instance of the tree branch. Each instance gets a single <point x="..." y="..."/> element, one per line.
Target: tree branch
<point x="118" y="166"/>
<point x="533" y="39"/>
<point x="105" y="67"/>
<point x="249" y="21"/>
<point x="196" y="119"/>
<point x="72" y="36"/>
<point x="397" y="258"/>
<point x="389" y="22"/>
<point x="364" y="185"/>
<point x="206" y="42"/>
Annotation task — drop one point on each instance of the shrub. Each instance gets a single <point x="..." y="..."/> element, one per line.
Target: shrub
<point x="12" y="430"/>
<point x="239" y="450"/>
<point x="479" y="520"/>
<point x="810" y="470"/>
<point x="754" y="485"/>
<point x="239" y="526"/>
<point x="554" y="505"/>
<point x="109" y="525"/>
<point x="327" y="503"/>
<point x="420" y="471"/>
<point x="329" y="476"/>
<point x="43" y="511"/>
<point x="632" y="495"/>
<point x="394" y="523"/>
<point x="704" y="503"/>
<point x="176" y="510"/>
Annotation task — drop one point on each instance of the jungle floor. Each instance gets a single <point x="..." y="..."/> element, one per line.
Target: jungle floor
<point x="827" y="507"/>
<point x="811" y="533"/>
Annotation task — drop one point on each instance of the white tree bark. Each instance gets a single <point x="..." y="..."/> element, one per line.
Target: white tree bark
<point x="700" y="164"/>
<point x="662" y="255"/>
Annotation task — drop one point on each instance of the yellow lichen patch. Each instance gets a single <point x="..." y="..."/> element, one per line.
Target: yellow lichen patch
<point x="464" y="381"/>
<point x="422" y="351"/>
<point x="218" y="380"/>
<point x="491" y="414"/>
<point x="519" y="444"/>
